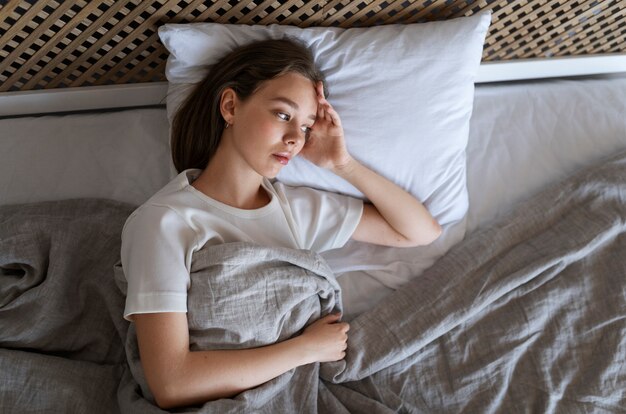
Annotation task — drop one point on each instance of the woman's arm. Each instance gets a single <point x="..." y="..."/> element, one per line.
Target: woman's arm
<point x="177" y="377"/>
<point x="395" y="218"/>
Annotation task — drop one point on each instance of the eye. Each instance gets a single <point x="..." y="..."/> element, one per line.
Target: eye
<point x="307" y="132"/>
<point x="283" y="116"/>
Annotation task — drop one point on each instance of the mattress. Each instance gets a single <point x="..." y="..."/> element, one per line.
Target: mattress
<point x="526" y="135"/>
<point x="523" y="137"/>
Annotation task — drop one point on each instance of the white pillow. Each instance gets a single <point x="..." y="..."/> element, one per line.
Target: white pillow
<point x="405" y="96"/>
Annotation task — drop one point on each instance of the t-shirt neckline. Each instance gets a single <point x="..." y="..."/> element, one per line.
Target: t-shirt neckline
<point x="188" y="176"/>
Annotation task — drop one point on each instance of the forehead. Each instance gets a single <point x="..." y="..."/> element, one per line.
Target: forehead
<point x="292" y="86"/>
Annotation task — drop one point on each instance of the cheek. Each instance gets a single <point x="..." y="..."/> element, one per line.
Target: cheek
<point x="300" y="145"/>
<point x="268" y="128"/>
<point x="265" y="128"/>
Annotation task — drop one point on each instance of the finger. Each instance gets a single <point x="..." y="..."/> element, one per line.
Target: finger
<point x="333" y="316"/>
<point x="333" y="115"/>
<point x="325" y="108"/>
<point x="320" y="88"/>
<point x="320" y="111"/>
<point x="320" y="92"/>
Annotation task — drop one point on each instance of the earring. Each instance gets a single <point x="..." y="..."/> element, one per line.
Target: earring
<point x="227" y="125"/>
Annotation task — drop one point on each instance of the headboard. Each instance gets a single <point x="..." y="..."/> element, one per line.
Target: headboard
<point x="60" y="44"/>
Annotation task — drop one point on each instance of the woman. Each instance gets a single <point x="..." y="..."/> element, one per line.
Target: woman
<point x="259" y="107"/>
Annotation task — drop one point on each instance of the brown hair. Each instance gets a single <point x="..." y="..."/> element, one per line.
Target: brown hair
<point x="198" y="124"/>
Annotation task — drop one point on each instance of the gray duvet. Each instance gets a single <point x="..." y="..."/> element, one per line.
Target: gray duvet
<point x="528" y="315"/>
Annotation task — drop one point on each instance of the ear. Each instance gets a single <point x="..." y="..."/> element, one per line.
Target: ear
<point x="228" y="101"/>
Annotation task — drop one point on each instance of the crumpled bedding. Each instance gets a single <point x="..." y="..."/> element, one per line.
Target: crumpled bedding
<point x="244" y="295"/>
<point x="526" y="315"/>
<point x="60" y="349"/>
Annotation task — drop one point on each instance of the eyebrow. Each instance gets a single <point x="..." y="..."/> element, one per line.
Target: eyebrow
<point x="292" y="104"/>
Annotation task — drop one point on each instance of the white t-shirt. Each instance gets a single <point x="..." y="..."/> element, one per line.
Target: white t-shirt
<point x="160" y="237"/>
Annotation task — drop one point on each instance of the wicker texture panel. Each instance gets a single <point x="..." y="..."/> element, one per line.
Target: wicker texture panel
<point x="53" y="44"/>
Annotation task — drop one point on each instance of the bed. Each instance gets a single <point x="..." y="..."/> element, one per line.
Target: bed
<point x="523" y="309"/>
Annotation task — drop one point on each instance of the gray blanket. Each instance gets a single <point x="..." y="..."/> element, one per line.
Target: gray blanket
<point x="242" y="296"/>
<point x="528" y="315"/>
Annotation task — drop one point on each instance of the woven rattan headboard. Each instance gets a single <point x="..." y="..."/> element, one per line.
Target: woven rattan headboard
<point x="56" y="44"/>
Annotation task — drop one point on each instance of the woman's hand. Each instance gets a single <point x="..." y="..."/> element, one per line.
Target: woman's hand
<point x="326" y="339"/>
<point x="326" y="146"/>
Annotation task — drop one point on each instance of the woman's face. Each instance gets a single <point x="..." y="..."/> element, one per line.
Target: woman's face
<point x="271" y="126"/>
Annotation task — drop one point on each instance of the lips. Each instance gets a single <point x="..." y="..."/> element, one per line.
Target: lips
<point x="282" y="158"/>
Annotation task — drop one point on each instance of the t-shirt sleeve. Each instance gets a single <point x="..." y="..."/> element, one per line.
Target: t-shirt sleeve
<point x="156" y="248"/>
<point x="324" y="220"/>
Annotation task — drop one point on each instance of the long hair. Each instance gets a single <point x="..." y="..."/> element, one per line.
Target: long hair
<point x="198" y="124"/>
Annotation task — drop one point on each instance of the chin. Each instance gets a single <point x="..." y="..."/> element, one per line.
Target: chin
<point x="271" y="173"/>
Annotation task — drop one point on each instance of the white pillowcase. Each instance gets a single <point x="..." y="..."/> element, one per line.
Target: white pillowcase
<point x="405" y="96"/>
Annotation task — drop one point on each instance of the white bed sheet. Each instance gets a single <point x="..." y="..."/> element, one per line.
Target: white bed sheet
<point x="523" y="136"/>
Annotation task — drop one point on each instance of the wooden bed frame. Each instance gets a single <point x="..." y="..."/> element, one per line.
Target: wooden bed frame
<point x="77" y="47"/>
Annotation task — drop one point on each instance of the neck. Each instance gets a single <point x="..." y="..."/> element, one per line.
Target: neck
<point x="231" y="181"/>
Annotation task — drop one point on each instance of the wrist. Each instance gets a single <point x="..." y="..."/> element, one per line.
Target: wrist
<point x="346" y="168"/>
<point x="302" y="350"/>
